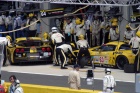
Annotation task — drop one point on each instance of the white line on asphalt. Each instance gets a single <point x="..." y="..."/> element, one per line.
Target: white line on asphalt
<point x="61" y="75"/>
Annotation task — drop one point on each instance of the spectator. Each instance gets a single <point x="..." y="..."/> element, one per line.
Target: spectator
<point x="3" y="87"/>
<point x="74" y="78"/>
<point x="18" y="88"/>
<point x="32" y="28"/>
<point x="39" y="29"/>
<point x="12" y="79"/>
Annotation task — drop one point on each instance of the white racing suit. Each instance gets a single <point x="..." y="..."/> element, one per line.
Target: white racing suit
<point x="128" y="35"/>
<point x="114" y="36"/>
<point x="108" y="84"/>
<point x="5" y="41"/>
<point x="57" y="40"/>
<point x="135" y="41"/>
<point x="79" y="30"/>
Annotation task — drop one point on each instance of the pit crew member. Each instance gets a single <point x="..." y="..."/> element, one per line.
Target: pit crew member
<point x="69" y="30"/>
<point x="128" y="34"/>
<point x="57" y="39"/>
<point x="83" y="46"/>
<point x="108" y="82"/>
<point x="135" y="41"/>
<point x="61" y="51"/>
<point x="7" y="41"/>
<point x="114" y="32"/>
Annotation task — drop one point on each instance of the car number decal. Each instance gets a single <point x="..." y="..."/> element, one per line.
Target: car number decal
<point x="100" y="59"/>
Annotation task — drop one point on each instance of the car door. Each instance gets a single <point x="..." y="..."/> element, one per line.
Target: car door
<point x="107" y="55"/>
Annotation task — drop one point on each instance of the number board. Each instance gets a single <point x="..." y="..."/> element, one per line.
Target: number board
<point x="52" y="12"/>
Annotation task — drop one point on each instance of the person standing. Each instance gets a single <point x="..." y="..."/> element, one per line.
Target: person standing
<point x="2" y="24"/>
<point x="128" y="34"/>
<point x="96" y="31"/>
<point x="135" y="42"/>
<point x="3" y="87"/>
<point x="32" y="28"/>
<point x="74" y="78"/>
<point x="88" y="29"/>
<point x="109" y="82"/>
<point x="57" y="39"/>
<point x="17" y="25"/>
<point x="79" y="27"/>
<point x="83" y="46"/>
<point x="12" y="79"/>
<point x="69" y="30"/>
<point x="18" y="88"/>
<point x="114" y="32"/>
<point x="9" y="25"/>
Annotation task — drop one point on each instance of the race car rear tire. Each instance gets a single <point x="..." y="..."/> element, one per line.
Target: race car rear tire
<point x="121" y="61"/>
<point x="129" y="68"/>
<point x="84" y="61"/>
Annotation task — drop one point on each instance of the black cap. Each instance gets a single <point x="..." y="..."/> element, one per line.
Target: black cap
<point x="75" y="66"/>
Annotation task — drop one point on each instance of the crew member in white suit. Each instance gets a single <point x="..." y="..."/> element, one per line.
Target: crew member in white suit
<point x="7" y="42"/>
<point x="109" y="82"/>
<point x="79" y="28"/>
<point x="135" y="42"/>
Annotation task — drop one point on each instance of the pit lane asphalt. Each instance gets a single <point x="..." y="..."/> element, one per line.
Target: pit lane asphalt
<point x="54" y="76"/>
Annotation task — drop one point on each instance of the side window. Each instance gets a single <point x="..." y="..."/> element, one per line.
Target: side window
<point x="96" y="49"/>
<point x="125" y="47"/>
<point x="108" y="48"/>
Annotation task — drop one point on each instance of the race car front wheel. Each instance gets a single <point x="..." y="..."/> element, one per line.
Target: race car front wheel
<point x="121" y="61"/>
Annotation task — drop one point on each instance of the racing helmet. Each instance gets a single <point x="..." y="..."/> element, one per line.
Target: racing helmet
<point x="9" y="38"/>
<point x="73" y="45"/>
<point x="107" y="71"/>
<point x="127" y="26"/>
<point x="17" y="81"/>
<point x="114" y="24"/>
<point x="45" y="35"/>
<point x="54" y="29"/>
<point x="31" y="15"/>
<point x="114" y="20"/>
<point x="78" y="21"/>
<point x="138" y="33"/>
<point x="81" y="37"/>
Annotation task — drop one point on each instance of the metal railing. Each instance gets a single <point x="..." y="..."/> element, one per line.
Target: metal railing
<point x="87" y="2"/>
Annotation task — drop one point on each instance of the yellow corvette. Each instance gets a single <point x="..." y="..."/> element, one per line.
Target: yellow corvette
<point x="115" y="54"/>
<point x="31" y="49"/>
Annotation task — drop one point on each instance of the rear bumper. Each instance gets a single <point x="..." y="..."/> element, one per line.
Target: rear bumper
<point x="33" y="59"/>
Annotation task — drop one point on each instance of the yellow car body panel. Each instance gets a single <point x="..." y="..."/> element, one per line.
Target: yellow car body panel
<point x="110" y="57"/>
<point x="102" y="57"/>
<point x="11" y="49"/>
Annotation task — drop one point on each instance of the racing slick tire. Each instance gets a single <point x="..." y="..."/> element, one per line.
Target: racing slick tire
<point x="129" y="68"/>
<point x="121" y="61"/>
<point x="84" y="61"/>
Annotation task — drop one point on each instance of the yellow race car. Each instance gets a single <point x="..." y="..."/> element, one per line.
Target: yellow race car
<point x="115" y="54"/>
<point x="30" y="49"/>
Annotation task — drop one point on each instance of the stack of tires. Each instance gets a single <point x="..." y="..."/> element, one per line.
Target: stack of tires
<point x="129" y="68"/>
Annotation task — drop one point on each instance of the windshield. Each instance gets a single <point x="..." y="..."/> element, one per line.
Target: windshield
<point x="29" y="43"/>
